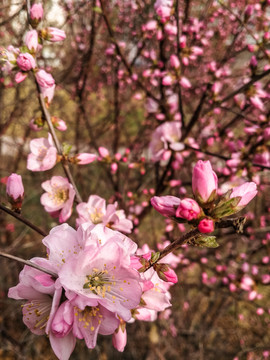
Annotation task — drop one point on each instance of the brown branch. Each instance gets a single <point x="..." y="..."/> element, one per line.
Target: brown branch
<point x="23" y="220"/>
<point x="29" y="263"/>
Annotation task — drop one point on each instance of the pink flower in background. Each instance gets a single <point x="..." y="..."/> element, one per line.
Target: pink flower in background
<point x="36" y="12"/>
<point x="59" y="197"/>
<point x="165" y="138"/>
<point x="26" y="62"/>
<point x="188" y="209"/>
<point x="204" y="182"/>
<point x="246" y="192"/>
<point x="43" y="154"/>
<point x="31" y="40"/>
<point x="206" y="226"/>
<point x="96" y="212"/>
<point x="165" y="205"/>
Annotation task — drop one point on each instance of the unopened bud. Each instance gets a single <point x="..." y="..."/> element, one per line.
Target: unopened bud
<point x="15" y="191"/>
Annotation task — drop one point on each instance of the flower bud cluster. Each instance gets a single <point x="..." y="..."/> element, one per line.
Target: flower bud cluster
<point x="207" y="207"/>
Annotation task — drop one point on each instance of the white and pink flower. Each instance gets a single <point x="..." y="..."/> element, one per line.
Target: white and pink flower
<point x="43" y="154"/>
<point x="96" y="212"/>
<point x="59" y="197"/>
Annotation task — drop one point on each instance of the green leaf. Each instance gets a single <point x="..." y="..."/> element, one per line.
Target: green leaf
<point x="66" y="149"/>
<point x="155" y="257"/>
<point x="206" y="241"/>
<point x="97" y="10"/>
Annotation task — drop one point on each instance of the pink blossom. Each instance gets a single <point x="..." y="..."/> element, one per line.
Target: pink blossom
<point x="119" y="339"/>
<point x="185" y="83"/>
<point x="59" y="197"/>
<point x="96" y="212"/>
<point x="36" y="12"/>
<point x="165" y="205"/>
<point x="167" y="80"/>
<point x="174" y="61"/>
<point x="206" y="226"/>
<point x="165" y="273"/>
<point x="43" y="154"/>
<point x="48" y="94"/>
<point x="53" y="34"/>
<point x="19" y="77"/>
<point x="103" y="152"/>
<point x="86" y="276"/>
<point x="204" y="181"/>
<point x="150" y="25"/>
<point x="31" y="40"/>
<point x="14" y="187"/>
<point x="246" y="192"/>
<point x="188" y="209"/>
<point x="85" y="158"/>
<point x="165" y="138"/>
<point x="58" y="123"/>
<point x="44" y="79"/>
<point x="26" y="62"/>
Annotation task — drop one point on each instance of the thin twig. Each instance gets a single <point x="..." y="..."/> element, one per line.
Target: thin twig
<point x="23" y="220"/>
<point x="29" y="263"/>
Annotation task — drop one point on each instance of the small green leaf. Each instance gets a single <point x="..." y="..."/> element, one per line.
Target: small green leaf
<point x="66" y="149"/>
<point x="97" y="10"/>
<point x="155" y="257"/>
<point x="207" y="241"/>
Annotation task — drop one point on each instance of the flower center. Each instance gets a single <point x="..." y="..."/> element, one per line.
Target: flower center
<point x="89" y="317"/>
<point x="59" y="196"/>
<point x="98" y="282"/>
<point x="42" y="151"/>
<point x="96" y="216"/>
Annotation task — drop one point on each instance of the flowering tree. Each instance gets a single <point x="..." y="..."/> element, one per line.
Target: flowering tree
<point x="140" y="105"/>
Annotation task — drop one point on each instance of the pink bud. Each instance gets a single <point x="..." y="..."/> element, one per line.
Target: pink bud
<point x="15" y="191"/>
<point x="206" y="226"/>
<point x="48" y="94"/>
<point x="19" y="77"/>
<point x="59" y="124"/>
<point x="171" y="276"/>
<point x="204" y="181"/>
<point x="26" y="62"/>
<point x="185" y="83"/>
<point x="36" y="12"/>
<point x="165" y="273"/>
<point x="103" y="152"/>
<point x="167" y="80"/>
<point x="53" y="34"/>
<point x="63" y="320"/>
<point x="119" y="339"/>
<point x="174" y="61"/>
<point x="165" y="205"/>
<point x="31" y="40"/>
<point x="246" y="191"/>
<point x="188" y="209"/>
<point x="253" y="61"/>
<point x="44" y="79"/>
<point x="114" y="168"/>
<point x="85" y="158"/>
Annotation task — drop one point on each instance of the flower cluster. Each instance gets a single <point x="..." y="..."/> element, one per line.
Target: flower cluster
<point x="207" y="207"/>
<point x="96" y="288"/>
